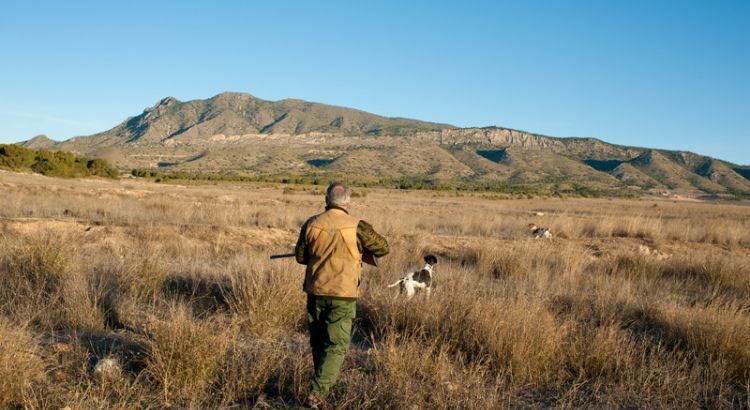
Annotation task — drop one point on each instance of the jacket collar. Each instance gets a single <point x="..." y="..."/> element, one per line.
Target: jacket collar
<point x="329" y="207"/>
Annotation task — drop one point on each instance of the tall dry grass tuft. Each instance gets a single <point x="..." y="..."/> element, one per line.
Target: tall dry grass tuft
<point x="259" y="367"/>
<point x="264" y="296"/>
<point x="715" y="335"/>
<point x="507" y="263"/>
<point x="22" y="368"/>
<point x="38" y="266"/>
<point x="186" y="357"/>
<point x="403" y="372"/>
<point x="40" y="283"/>
<point x="143" y="274"/>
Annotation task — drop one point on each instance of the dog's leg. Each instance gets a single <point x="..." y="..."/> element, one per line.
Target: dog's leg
<point x="401" y="290"/>
<point x="428" y="292"/>
<point x="409" y="291"/>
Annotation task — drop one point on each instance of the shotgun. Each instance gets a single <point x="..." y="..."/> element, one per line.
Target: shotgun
<point x="367" y="257"/>
<point x="283" y="255"/>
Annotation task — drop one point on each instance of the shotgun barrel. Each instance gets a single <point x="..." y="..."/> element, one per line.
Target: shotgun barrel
<point x="367" y="257"/>
<point x="282" y="255"/>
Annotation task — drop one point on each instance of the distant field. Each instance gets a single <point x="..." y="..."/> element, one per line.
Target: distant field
<point x="635" y="303"/>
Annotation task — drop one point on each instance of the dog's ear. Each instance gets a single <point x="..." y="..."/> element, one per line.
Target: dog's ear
<point x="431" y="259"/>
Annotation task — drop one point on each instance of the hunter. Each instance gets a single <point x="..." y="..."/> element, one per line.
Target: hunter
<point x="331" y="245"/>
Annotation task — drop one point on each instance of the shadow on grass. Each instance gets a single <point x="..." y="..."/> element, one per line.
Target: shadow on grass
<point x="204" y="296"/>
<point x="131" y="349"/>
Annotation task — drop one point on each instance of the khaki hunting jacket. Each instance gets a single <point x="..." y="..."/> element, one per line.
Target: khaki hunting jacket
<point x="331" y="246"/>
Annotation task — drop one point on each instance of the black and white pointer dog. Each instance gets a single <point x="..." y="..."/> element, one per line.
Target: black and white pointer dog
<point x="418" y="280"/>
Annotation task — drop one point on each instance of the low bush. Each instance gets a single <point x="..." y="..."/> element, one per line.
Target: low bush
<point x="53" y="163"/>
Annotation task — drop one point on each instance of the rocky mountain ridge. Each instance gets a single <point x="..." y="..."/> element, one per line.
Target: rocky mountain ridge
<point x="238" y="133"/>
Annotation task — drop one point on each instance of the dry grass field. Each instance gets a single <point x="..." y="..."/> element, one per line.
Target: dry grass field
<point x="642" y="303"/>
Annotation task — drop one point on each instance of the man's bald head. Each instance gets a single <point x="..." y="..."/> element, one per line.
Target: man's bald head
<point x="338" y="195"/>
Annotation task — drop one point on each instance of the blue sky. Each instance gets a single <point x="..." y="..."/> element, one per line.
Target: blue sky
<point x="665" y="74"/>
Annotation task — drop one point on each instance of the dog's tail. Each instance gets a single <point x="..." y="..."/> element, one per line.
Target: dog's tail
<point x="398" y="282"/>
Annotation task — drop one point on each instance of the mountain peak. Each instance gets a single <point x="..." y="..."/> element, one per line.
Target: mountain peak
<point x="167" y="101"/>
<point x="38" y="142"/>
<point x="233" y="96"/>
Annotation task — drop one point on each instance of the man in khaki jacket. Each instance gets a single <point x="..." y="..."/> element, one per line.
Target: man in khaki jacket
<point x="331" y="245"/>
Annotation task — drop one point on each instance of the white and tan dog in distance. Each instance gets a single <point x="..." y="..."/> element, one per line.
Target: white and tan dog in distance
<point x="537" y="232"/>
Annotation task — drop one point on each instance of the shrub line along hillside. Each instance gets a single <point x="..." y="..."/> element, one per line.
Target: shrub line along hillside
<point x="57" y="163"/>
<point x="53" y="163"/>
<point x="551" y="187"/>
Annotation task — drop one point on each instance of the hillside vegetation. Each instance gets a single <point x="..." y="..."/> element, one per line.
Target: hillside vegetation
<point x="634" y="304"/>
<point x="53" y="163"/>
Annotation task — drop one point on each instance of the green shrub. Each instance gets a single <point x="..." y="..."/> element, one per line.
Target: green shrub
<point x="53" y="163"/>
<point x="100" y="167"/>
<point x="15" y="157"/>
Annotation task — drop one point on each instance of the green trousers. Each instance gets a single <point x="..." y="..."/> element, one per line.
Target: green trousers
<point x="330" y="322"/>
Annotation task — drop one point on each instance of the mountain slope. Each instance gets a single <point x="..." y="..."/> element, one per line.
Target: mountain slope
<point x="671" y="174"/>
<point x="722" y="173"/>
<point x="239" y="133"/>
